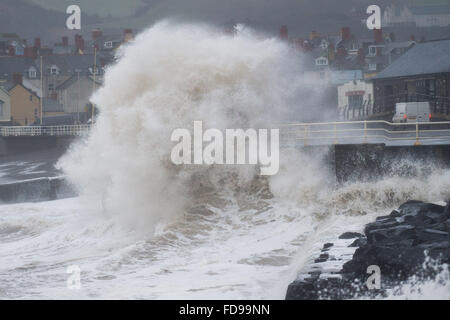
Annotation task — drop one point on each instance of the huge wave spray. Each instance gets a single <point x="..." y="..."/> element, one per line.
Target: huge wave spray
<point x="168" y="77"/>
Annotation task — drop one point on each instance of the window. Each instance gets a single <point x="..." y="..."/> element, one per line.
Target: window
<point x="108" y="44"/>
<point x="355" y="101"/>
<point x="54" y="70"/>
<point x="372" y="66"/>
<point x="31" y="97"/>
<point x="432" y="20"/>
<point x="51" y="87"/>
<point x="91" y="70"/>
<point x="321" y="62"/>
<point x="372" y="51"/>
<point x="1" y="108"/>
<point x="32" y="73"/>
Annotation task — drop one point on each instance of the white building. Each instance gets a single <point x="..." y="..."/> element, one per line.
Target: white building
<point x="355" y="99"/>
<point x="424" y="16"/>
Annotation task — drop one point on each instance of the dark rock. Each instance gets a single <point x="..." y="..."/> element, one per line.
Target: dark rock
<point x="447" y="209"/>
<point x="397" y="243"/>
<point x="395" y="214"/>
<point x="350" y="235"/>
<point x="359" y="242"/>
<point x="313" y="289"/>
<point x="327" y="245"/>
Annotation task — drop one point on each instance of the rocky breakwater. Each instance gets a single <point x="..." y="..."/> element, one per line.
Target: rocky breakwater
<point x="392" y="249"/>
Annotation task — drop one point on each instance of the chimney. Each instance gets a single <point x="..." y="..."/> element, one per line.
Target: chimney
<point x="79" y="42"/>
<point x="298" y="44"/>
<point x="346" y="34"/>
<point x="283" y="33"/>
<point x="127" y="35"/>
<point x="313" y="35"/>
<point x="96" y="33"/>
<point x="307" y="46"/>
<point x="378" y="35"/>
<point x="37" y="43"/>
<point x="65" y="41"/>
<point x="11" y="51"/>
<point x="17" y="78"/>
<point x="30" y="52"/>
<point x="379" y="51"/>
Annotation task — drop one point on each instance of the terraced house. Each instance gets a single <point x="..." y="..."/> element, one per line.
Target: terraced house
<point x="5" y="107"/>
<point x="24" y="103"/>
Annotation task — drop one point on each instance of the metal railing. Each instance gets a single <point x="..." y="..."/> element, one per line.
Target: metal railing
<point x="365" y="132"/>
<point x="438" y="104"/>
<point x="29" y="131"/>
<point x="319" y="133"/>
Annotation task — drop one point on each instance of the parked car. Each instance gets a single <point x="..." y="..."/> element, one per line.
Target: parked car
<point x="412" y="112"/>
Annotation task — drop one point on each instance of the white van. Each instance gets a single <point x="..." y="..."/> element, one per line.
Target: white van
<point x="412" y="112"/>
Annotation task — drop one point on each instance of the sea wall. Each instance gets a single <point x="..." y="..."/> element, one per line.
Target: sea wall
<point x="365" y="162"/>
<point x="21" y="145"/>
<point x="40" y="189"/>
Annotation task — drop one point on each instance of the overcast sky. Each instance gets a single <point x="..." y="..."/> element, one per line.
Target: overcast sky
<point x="301" y="16"/>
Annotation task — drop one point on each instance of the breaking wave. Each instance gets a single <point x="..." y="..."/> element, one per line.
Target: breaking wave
<point x="168" y="77"/>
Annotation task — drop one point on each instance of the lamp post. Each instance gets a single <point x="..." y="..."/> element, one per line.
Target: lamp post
<point x="78" y="95"/>
<point x="95" y="72"/>
<point x="42" y="92"/>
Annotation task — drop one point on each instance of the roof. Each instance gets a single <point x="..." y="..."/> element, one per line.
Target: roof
<point x="4" y="90"/>
<point x="344" y="76"/>
<point x="51" y="105"/>
<point x="424" y="58"/>
<point x="399" y="44"/>
<point x="106" y="38"/>
<point x="7" y="85"/>
<point x="69" y="63"/>
<point x="443" y="9"/>
<point x="73" y="79"/>
<point x="10" y="65"/>
<point x="11" y="37"/>
<point x="27" y="89"/>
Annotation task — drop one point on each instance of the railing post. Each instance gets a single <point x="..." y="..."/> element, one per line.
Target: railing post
<point x="365" y="131"/>
<point x="417" y="143"/>
<point x="305" y="141"/>
<point x="335" y="135"/>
